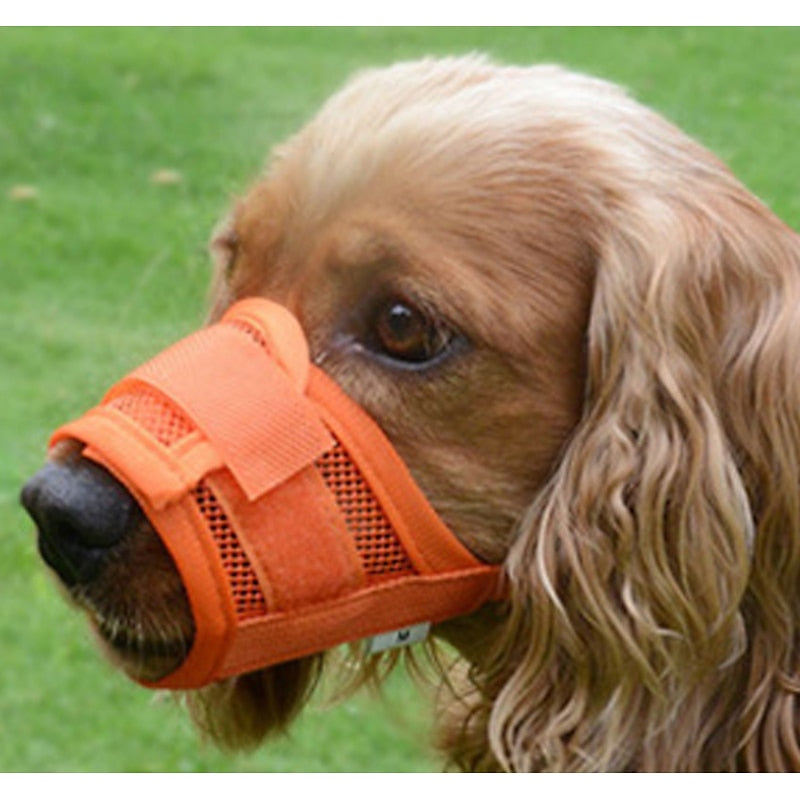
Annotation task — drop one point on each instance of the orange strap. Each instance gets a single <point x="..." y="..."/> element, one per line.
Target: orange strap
<point x="254" y="417"/>
<point x="295" y="539"/>
<point x="354" y="616"/>
<point x="161" y="475"/>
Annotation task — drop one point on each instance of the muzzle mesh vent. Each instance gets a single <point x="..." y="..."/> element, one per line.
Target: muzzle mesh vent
<point x="155" y="414"/>
<point x="383" y="556"/>
<point x="248" y="599"/>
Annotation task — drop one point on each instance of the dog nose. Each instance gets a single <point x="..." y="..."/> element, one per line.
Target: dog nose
<point x="81" y="512"/>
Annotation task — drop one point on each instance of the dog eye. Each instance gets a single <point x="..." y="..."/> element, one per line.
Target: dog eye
<point x="404" y="333"/>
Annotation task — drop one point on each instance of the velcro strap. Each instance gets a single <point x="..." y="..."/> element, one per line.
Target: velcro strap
<point x="295" y="539"/>
<point x="159" y="474"/>
<point x="264" y="430"/>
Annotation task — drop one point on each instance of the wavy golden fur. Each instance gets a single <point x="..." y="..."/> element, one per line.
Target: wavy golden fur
<point x="622" y="431"/>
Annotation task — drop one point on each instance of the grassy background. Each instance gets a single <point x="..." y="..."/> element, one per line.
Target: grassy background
<point x="102" y="267"/>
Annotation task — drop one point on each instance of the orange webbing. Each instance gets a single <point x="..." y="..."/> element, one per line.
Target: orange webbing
<point x="243" y="402"/>
<point x="389" y="606"/>
<point x="280" y="331"/>
<point x="158" y="473"/>
<point x="262" y="439"/>
<point x="198" y="563"/>
<point x="295" y="538"/>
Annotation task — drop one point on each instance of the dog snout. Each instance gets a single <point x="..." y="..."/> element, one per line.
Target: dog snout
<point x="81" y="513"/>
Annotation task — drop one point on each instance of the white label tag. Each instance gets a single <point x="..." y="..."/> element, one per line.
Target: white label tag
<point x="398" y="638"/>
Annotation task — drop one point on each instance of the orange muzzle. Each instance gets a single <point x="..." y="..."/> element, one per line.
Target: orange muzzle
<point x="292" y="521"/>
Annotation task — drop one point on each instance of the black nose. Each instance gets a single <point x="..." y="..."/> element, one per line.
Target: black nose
<point x="81" y="512"/>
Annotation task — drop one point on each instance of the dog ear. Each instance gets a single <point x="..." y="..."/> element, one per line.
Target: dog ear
<point x="655" y="582"/>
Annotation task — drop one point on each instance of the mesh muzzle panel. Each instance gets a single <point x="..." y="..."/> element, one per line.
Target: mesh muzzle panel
<point x="380" y="551"/>
<point x="245" y="593"/>
<point x="292" y="522"/>
<point x="382" y="554"/>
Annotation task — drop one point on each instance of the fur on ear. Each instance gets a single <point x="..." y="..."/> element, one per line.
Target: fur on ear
<point x="655" y="581"/>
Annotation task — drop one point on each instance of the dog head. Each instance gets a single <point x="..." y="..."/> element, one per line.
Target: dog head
<point x="576" y="328"/>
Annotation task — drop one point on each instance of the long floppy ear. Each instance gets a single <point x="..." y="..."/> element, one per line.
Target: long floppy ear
<point x="655" y="582"/>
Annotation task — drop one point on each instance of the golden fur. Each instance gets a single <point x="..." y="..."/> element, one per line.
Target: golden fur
<point x="623" y="432"/>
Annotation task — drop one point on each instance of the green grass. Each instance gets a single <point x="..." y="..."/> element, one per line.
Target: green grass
<point x="103" y="268"/>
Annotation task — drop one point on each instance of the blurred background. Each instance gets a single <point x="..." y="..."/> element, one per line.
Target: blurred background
<point x="119" y="150"/>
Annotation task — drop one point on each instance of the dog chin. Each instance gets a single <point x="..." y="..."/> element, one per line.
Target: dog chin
<point x="144" y="656"/>
<point x="142" y="659"/>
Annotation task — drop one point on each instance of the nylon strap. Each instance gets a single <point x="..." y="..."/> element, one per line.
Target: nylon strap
<point x="252" y="414"/>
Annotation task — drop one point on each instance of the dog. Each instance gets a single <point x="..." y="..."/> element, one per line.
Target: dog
<point x="581" y="334"/>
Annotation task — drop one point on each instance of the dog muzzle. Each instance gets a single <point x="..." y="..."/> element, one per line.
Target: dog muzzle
<point x="292" y="521"/>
